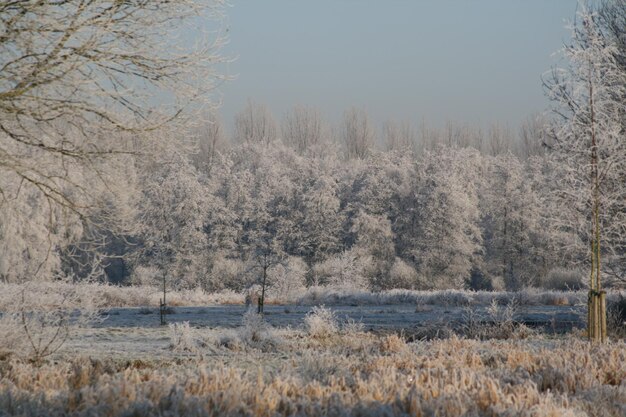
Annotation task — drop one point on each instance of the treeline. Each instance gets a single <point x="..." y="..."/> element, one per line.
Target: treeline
<point x="311" y="210"/>
<point x="454" y="208"/>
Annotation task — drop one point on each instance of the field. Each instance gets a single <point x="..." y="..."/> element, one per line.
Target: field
<point x="452" y="354"/>
<point x="296" y="372"/>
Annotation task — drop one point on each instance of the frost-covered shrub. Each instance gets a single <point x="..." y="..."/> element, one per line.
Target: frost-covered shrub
<point x="321" y="322"/>
<point x="562" y="279"/>
<point x="401" y="276"/>
<point x="503" y="319"/>
<point x="183" y="338"/>
<point x="39" y="317"/>
<point x="351" y="327"/>
<point x="497" y="323"/>
<point x="616" y="317"/>
<point x="228" y="274"/>
<point x="346" y="270"/>
<point x="479" y="281"/>
<point x="288" y="281"/>
<point x="254" y="332"/>
<point x="253" y="326"/>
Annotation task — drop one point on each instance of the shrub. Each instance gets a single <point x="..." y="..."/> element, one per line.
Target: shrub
<point x="502" y="319"/>
<point x="346" y="270"/>
<point x="39" y="317"/>
<point x="401" y="275"/>
<point x="228" y="274"/>
<point x="254" y="332"/>
<point x="146" y="275"/>
<point x="183" y="338"/>
<point x="321" y="322"/>
<point x="253" y="327"/>
<point x="562" y="279"/>
<point x="616" y="317"/>
<point x="351" y="327"/>
<point x="478" y="281"/>
<point x="498" y="322"/>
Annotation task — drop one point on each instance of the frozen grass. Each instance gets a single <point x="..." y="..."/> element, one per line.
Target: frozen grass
<point x="116" y="296"/>
<point x="355" y="375"/>
<point x="254" y="333"/>
<point x="457" y="298"/>
<point x="142" y="296"/>
<point x="183" y="338"/>
<point x="321" y="323"/>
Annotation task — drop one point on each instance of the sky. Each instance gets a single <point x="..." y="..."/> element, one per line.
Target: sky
<point x="474" y="62"/>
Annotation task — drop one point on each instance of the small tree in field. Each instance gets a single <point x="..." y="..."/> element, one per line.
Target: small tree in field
<point x="590" y="152"/>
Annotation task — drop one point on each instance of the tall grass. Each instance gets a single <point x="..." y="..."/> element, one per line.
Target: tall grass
<point x="380" y="376"/>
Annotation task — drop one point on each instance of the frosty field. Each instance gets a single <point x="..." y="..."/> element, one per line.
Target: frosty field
<point x="296" y="372"/>
<point x="300" y="360"/>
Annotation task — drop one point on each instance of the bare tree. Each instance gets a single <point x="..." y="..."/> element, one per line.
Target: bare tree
<point x="303" y="129"/>
<point x="500" y="139"/>
<point x="255" y="124"/>
<point x="533" y="137"/>
<point x="399" y="136"/>
<point x="96" y="68"/>
<point x="358" y="133"/>
<point x="210" y="141"/>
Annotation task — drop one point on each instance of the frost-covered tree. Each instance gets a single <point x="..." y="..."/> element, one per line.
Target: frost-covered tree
<point x="211" y="144"/>
<point x="589" y="151"/>
<point x="173" y="211"/>
<point x="346" y="270"/>
<point x="93" y="68"/>
<point x="399" y="136"/>
<point x="401" y="275"/>
<point x="533" y="137"/>
<point x="448" y="237"/>
<point x="288" y="279"/>
<point x="321" y="219"/>
<point x="589" y="148"/>
<point x="80" y="83"/>
<point x="511" y="214"/>
<point x="374" y="238"/>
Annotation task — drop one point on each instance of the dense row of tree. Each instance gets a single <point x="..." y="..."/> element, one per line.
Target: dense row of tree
<point x="445" y="218"/>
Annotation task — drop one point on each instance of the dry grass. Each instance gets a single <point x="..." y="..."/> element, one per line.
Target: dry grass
<point x="356" y="375"/>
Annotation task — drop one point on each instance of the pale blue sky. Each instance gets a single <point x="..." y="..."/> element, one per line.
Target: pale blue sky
<point x="468" y="61"/>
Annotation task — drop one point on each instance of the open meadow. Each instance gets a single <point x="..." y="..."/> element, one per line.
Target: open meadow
<point x="321" y="370"/>
<point x="306" y="360"/>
